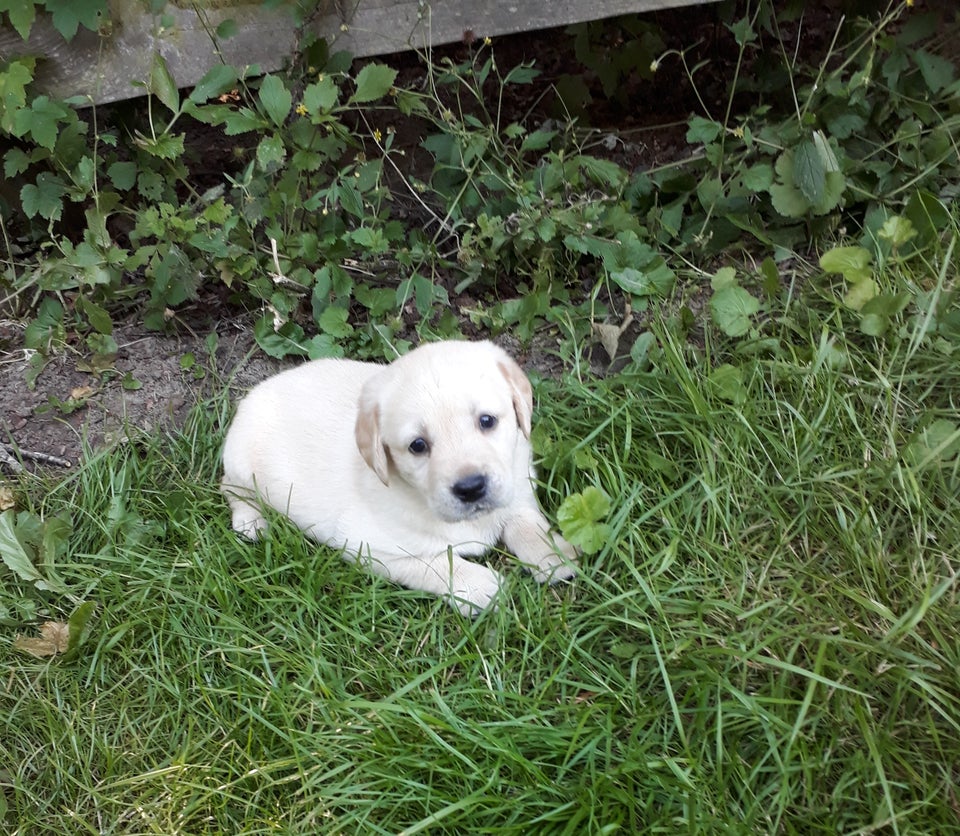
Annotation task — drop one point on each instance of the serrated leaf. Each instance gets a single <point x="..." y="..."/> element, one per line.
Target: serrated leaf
<point x="758" y="178"/>
<point x="702" y="131"/>
<point x="537" y="141"/>
<point x="788" y="201"/>
<point x="69" y="14"/>
<point x="373" y="82"/>
<point x="22" y="13"/>
<point x="321" y="96"/>
<point x="14" y="79"/>
<point x="43" y="198"/>
<point x="285" y="341"/>
<point x="276" y="99"/>
<point x="580" y="516"/>
<point x="937" y="71"/>
<point x="123" y="175"/>
<point x="732" y="309"/>
<point x="333" y="321"/>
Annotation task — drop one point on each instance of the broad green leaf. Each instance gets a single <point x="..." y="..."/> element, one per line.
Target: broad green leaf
<point x="724" y="277"/>
<point x="373" y="82"/>
<point x="827" y="157"/>
<point x="809" y="172"/>
<point x="22" y="13"/>
<point x="321" y="96"/>
<point x="537" y="141"/>
<point x="78" y="624"/>
<point x="726" y="381"/>
<point x="758" y="177"/>
<point x="732" y="309"/>
<point x="123" y="175"/>
<point x="13" y="90"/>
<point x="162" y="84"/>
<point x="276" y="99"/>
<point x="270" y="151"/>
<point x="44" y="198"/>
<point x="937" y="443"/>
<point x="42" y="121"/>
<point x="217" y="80"/>
<point x="285" y="341"/>
<point x="860" y="293"/>
<point x="788" y="200"/>
<point x="69" y="14"/>
<point x="853" y="263"/>
<point x="333" y="321"/>
<point x="897" y="230"/>
<point x="702" y="131"/>
<point x="936" y="70"/>
<point x="580" y="516"/>
<point x="17" y="556"/>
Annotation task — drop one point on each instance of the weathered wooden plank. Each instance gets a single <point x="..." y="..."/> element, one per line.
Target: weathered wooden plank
<point x="106" y="66"/>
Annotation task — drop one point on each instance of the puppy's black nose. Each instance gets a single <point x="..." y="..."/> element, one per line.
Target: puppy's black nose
<point x="470" y="488"/>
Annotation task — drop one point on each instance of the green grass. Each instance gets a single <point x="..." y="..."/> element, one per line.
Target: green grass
<point x="767" y="643"/>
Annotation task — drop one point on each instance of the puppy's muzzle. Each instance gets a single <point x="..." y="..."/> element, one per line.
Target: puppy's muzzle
<point x="471" y="489"/>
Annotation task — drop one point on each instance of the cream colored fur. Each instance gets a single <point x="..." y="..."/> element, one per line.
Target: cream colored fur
<point x="328" y="444"/>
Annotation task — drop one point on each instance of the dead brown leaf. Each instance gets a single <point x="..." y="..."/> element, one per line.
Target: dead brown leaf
<point x="54" y="638"/>
<point x="7" y="499"/>
<point x="81" y="393"/>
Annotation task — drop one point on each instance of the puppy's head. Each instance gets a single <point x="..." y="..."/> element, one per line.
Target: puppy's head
<point x="451" y="420"/>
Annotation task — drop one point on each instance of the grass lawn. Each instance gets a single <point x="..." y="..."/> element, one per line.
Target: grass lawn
<point x="766" y="642"/>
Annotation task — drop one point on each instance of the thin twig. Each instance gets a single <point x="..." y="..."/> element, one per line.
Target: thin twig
<point x="8" y="459"/>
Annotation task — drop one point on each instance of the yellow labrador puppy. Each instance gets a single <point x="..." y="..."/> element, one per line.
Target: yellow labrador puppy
<point x="409" y="467"/>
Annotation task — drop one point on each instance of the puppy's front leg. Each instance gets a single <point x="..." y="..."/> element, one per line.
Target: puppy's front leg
<point x="468" y="587"/>
<point x="545" y="553"/>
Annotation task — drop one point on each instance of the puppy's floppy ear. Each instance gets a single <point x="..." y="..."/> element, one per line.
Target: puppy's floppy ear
<point x="367" y="433"/>
<point x="521" y="390"/>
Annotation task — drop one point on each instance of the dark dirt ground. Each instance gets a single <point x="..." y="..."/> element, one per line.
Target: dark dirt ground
<point x="29" y="421"/>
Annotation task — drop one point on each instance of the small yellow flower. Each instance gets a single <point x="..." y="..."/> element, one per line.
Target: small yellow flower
<point x="909" y="4"/>
<point x="377" y="135"/>
<point x="487" y="41"/>
<point x="654" y="65"/>
<point x="302" y="109"/>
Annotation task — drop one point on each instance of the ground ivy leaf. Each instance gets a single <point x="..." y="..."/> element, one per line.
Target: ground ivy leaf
<point x="860" y="293"/>
<point x="853" y="263"/>
<point x="732" y="309"/>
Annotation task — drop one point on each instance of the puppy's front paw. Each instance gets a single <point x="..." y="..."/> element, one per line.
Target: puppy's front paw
<point x="473" y="588"/>
<point x="558" y="564"/>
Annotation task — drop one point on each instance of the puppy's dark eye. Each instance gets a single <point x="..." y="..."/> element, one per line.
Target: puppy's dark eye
<point x="487" y="422"/>
<point x="418" y="447"/>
